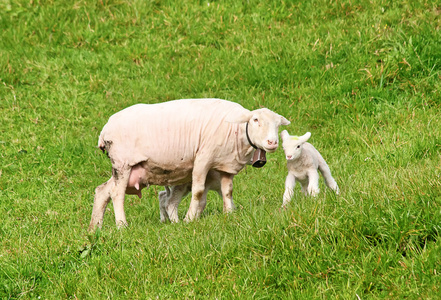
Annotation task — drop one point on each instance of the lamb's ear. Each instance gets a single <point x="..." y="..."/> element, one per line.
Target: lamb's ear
<point x="239" y="118"/>
<point x="284" y="135"/>
<point x="305" y="137"/>
<point x="285" y="121"/>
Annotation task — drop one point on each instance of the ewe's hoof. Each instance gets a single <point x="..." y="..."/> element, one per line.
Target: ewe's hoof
<point x="93" y="227"/>
<point x="121" y="225"/>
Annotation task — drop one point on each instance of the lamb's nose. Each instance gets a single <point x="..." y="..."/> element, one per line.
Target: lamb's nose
<point x="289" y="156"/>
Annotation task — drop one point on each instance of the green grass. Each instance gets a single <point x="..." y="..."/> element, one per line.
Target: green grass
<point x="363" y="76"/>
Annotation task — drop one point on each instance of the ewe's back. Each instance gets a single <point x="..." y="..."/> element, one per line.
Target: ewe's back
<point x="173" y="131"/>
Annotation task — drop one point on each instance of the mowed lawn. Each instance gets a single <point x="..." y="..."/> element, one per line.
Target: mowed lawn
<point x="364" y="77"/>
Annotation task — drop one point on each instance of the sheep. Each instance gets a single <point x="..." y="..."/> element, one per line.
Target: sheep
<point x="303" y="161"/>
<point x="177" y="142"/>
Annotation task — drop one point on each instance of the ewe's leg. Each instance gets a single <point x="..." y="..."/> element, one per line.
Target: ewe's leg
<point x="290" y="183"/>
<point x="227" y="191"/>
<point x="329" y="180"/>
<point x="313" y="185"/>
<point x="102" y="198"/>
<point x="212" y="183"/>
<point x="203" y="202"/>
<point x="117" y="193"/>
<point x="197" y="190"/>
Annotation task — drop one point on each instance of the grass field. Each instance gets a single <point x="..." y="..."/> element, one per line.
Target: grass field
<point x="363" y="76"/>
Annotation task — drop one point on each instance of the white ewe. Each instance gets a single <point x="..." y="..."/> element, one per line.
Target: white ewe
<point x="178" y="142"/>
<point x="303" y="161"/>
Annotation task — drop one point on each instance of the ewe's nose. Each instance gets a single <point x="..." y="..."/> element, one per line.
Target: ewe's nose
<point x="271" y="143"/>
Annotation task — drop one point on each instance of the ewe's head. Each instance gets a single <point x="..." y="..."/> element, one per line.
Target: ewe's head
<point x="263" y="127"/>
<point x="293" y="145"/>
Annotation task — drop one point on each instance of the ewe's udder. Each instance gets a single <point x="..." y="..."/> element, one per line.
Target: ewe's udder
<point x="136" y="179"/>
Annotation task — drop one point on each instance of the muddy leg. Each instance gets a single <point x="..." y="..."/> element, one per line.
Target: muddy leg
<point x="202" y="202"/>
<point x="102" y="198"/>
<point x="227" y="191"/>
<point x="197" y="190"/>
<point x="117" y="193"/>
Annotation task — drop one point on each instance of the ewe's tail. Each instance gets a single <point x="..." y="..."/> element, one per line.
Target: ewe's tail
<point x="101" y="143"/>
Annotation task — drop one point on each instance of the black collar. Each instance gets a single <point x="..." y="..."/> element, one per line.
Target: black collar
<point x="248" y="138"/>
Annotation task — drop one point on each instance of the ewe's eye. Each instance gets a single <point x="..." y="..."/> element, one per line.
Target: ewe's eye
<point x="256" y="120"/>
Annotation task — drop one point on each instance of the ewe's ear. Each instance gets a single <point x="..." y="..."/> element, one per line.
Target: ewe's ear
<point x="284" y="135"/>
<point x="285" y="121"/>
<point x="305" y="137"/>
<point x="239" y="118"/>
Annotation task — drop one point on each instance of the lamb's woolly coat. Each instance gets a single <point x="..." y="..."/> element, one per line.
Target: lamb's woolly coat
<point x="303" y="163"/>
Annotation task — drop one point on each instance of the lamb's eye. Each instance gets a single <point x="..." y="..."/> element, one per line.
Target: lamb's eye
<point x="298" y="146"/>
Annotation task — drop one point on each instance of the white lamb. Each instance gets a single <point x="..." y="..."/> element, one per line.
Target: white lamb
<point x="303" y="161"/>
<point x="170" y="198"/>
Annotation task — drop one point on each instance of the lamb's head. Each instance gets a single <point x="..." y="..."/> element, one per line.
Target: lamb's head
<point x="293" y="145"/>
<point x="262" y="127"/>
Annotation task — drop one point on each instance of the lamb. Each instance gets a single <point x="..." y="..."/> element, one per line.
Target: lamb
<point x="177" y="142"/>
<point x="303" y="161"/>
<point x="170" y="198"/>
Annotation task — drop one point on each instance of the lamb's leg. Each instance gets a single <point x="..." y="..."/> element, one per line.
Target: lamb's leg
<point x="329" y="180"/>
<point x="290" y="183"/>
<point x="170" y="199"/>
<point x="176" y="195"/>
<point x="102" y="198"/>
<point x="163" y="197"/>
<point x="117" y="193"/>
<point x="227" y="191"/>
<point x="198" y="188"/>
<point x="313" y="184"/>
